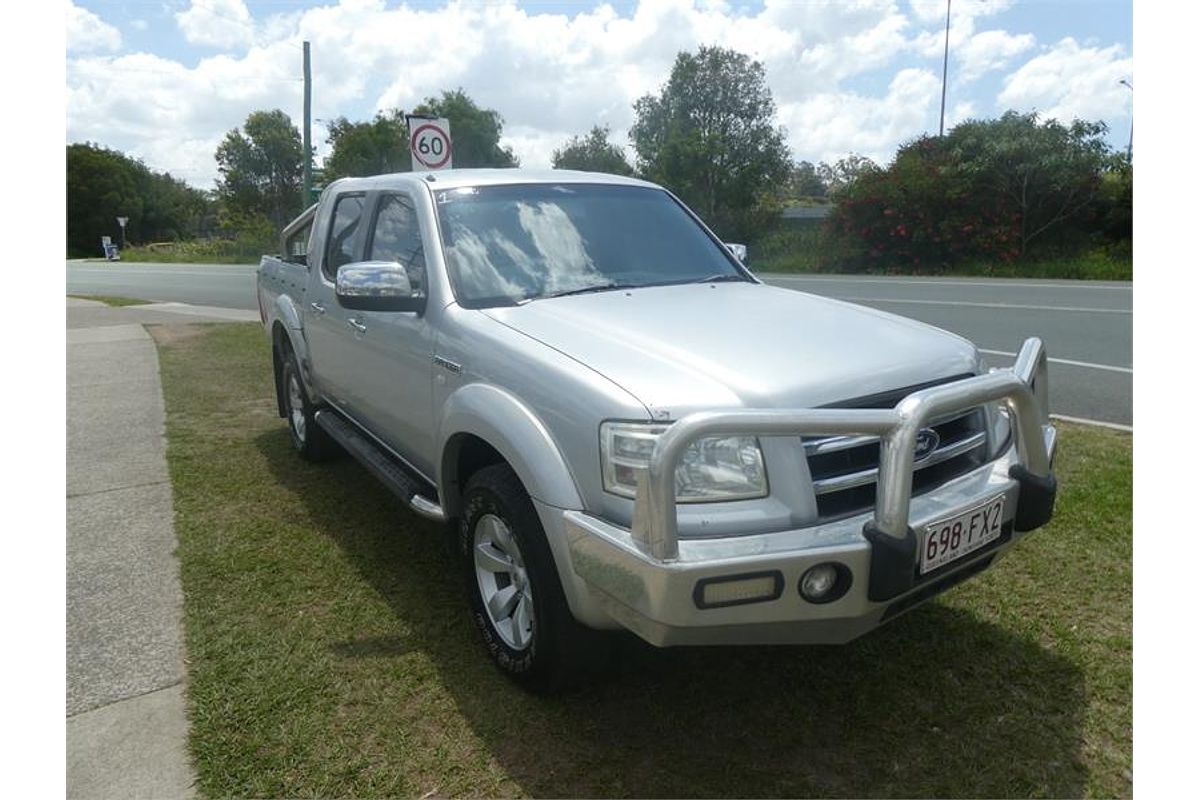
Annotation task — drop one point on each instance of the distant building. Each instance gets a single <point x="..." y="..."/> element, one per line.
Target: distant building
<point x="807" y="212"/>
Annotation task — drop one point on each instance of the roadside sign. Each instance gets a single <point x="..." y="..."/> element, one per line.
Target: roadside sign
<point x="429" y="141"/>
<point x="110" y="250"/>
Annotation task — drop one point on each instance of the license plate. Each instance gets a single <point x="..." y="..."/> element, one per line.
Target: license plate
<point x="954" y="537"/>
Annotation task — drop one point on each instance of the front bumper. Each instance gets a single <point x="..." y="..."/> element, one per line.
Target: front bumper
<point x="646" y="578"/>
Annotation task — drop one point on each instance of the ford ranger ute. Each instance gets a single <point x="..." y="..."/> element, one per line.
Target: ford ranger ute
<point x="624" y="428"/>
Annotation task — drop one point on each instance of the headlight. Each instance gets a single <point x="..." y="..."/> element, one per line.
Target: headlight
<point x="712" y="469"/>
<point x="999" y="427"/>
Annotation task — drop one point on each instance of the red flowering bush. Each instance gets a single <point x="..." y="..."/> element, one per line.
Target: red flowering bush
<point x="986" y="191"/>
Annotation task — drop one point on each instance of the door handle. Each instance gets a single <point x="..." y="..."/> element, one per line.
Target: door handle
<point x="358" y="326"/>
<point x="317" y="307"/>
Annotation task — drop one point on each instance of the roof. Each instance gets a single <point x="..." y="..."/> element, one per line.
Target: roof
<point x="455" y="178"/>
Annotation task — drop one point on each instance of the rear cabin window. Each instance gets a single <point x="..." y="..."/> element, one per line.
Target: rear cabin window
<point x="295" y="249"/>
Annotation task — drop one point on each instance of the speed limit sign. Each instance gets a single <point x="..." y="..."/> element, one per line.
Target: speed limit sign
<point x="429" y="140"/>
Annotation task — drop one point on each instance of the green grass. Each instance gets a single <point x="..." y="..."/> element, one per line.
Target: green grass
<point x="330" y="653"/>
<point x="1096" y="266"/>
<point x="200" y="251"/>
<point x="111" y="300"/>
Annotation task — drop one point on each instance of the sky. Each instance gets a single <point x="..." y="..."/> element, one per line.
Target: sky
<point x="164" y="80"/>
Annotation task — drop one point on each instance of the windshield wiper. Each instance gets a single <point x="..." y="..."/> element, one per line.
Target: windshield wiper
<point x="721" y="277"/>
<point x="599" y="287"/>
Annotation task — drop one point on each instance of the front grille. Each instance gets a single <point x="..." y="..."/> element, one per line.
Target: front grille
<point x="845" y="468"/>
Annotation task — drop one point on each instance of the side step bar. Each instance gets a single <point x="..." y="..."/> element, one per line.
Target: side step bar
<point x="394" y="476"/>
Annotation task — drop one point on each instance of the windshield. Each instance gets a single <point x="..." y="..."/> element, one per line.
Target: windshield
<point x="507" y="244"/>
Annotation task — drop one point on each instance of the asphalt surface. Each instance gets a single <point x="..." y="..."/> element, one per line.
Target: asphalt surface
<point x="1087" y="325"/>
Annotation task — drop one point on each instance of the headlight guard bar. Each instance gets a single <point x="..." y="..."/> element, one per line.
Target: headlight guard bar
<point x="1023" y="387"/>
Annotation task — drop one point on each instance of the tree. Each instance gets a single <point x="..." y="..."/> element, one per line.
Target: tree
<point x="592" y="153"/>
<point x="103" y="184"/>
<point x="845" y="172"/>
<point x="261" y="170"/>
<point x="375" y="147"/>
<point x="805" y="182"/>
<point x="1048" y="173"/>
<point x="710" y="136"/>
<point x="474" y="131"/>
<point x="987" y="190"/>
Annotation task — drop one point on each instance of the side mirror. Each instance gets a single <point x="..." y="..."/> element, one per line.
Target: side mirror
<point x="739" y="251"/>
<point x="379" y="286"/>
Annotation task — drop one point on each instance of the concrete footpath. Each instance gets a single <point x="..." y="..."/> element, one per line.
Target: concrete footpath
<point x="126" y="715"/>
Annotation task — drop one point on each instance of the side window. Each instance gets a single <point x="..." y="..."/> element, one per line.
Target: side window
<point x="296" y="247"/>
<point x="397" y="237"/>
<point x="347" y="214"/>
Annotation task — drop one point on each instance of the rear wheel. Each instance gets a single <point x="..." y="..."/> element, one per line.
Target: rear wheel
<point x="517" y="601"/>
<point x="310" y="439"/>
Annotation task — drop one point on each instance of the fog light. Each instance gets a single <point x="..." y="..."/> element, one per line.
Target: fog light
<point x="824" y="583"/>
<point x="737" y="590"/>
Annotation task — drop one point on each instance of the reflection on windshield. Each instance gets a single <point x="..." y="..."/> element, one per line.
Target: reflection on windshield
<point x="476" y="270"/>
<point x="506" y="244"/>
<point x="558" y="242"/>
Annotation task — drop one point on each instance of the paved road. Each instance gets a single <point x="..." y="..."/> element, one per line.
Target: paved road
<point x="1087" y="325"/>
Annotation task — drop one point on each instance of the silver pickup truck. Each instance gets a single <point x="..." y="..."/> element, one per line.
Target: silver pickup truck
<point x="626" y="429"/>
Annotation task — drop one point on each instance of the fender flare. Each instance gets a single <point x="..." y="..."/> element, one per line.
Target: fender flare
<point x="288" y="315"/>
<point x="287" y="329"/>
<point x="509" y="426"/>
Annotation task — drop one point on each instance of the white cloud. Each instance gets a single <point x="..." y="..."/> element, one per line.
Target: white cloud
<point x="171" y="116"/>
<point x="829" y="126"/>
<point x="217" y="23"/>
<point x="550" y="76"/>
<point x="990" y="50"/>
<point x="139" y="24"/>
<point x="87" y="32"/>
<point x="961" y="112"/>
<point x="935" y="10"/>
<point x="1069" y="81"/>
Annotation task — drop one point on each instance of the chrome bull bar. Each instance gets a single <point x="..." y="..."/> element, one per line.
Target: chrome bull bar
<point x="1023" y="387"/>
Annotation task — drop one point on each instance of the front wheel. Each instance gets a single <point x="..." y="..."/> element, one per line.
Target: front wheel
<point x="517" y="601"/>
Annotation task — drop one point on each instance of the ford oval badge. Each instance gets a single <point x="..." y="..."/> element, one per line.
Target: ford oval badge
<point x="927" y="441"/>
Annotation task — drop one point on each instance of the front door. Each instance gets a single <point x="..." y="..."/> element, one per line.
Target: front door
<point x="393" y="377"/>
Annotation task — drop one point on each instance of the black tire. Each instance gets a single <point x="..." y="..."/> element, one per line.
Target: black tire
<point x="310" y="439"/>
<point x="560" y="651"/>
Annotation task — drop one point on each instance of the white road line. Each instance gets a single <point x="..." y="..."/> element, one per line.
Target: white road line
<point x="1069" y="362"/>
<point x="914" y="281"/>
<point x="1098" y="423"/>
<point x="1084" y="309"/>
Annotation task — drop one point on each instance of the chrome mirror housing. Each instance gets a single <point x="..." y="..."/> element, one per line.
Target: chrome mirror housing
<point x="379" y="286"/>
<point x="740" y="252"/>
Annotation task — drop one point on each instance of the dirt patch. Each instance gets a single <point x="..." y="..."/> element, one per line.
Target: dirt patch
<point x="173" y="334"/>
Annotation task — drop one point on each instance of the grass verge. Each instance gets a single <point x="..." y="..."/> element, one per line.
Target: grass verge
<point x="330" y="653"/>
<point x="111" y="300"/>
<point x="1096" y="266"/>
<point x="201" y="251"/>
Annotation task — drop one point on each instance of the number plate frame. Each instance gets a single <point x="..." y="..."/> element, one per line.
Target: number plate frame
<point x="989" y="525"/>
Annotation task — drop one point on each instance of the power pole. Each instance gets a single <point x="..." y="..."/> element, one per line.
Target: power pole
<point x="945" y="64"/>
<point x="307" y="129"/>
<point x="1129" y="152"/>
